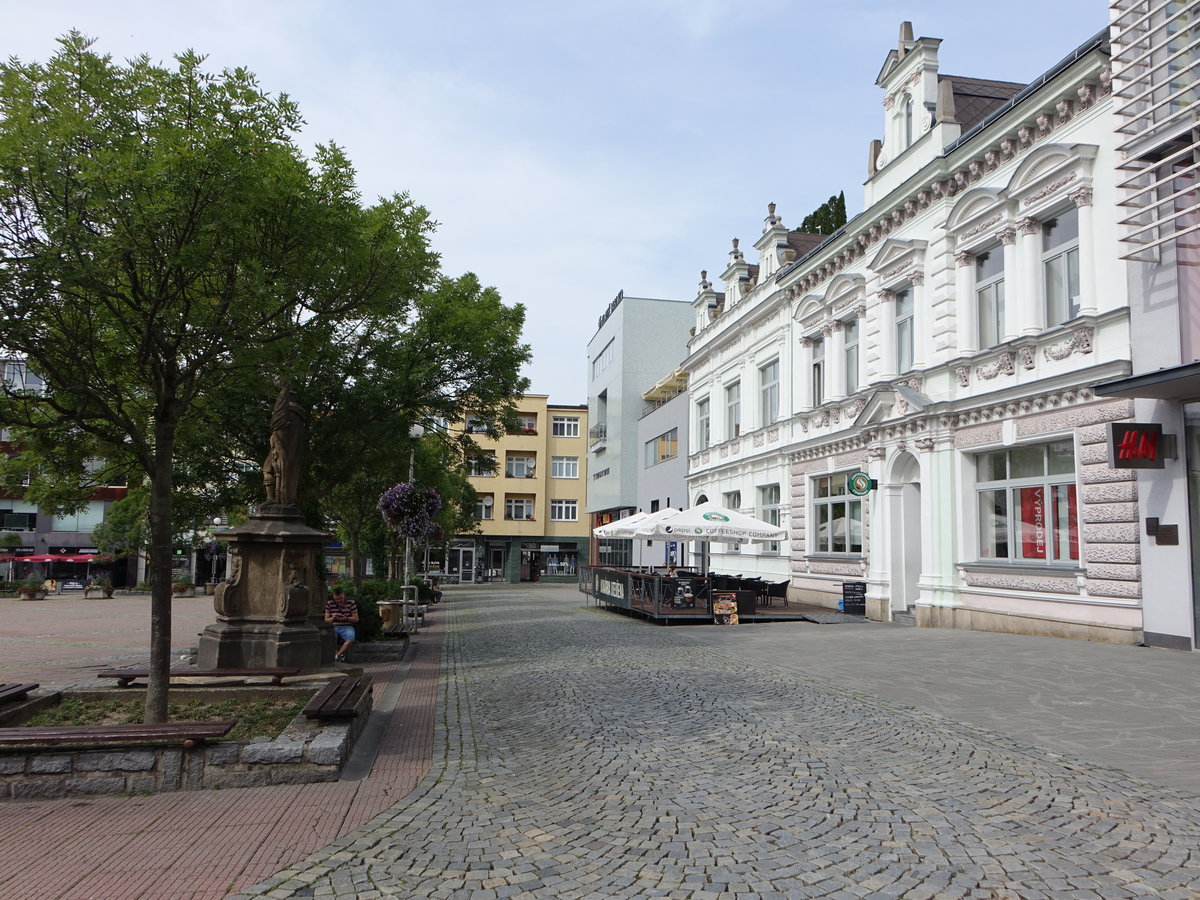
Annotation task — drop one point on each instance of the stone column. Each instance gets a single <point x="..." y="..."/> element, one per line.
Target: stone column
<point x="922" y="321"/>
<point x="887" y="334"/>
<point x="805" y="397"/>
<point x="1032" y="300"/>
<point x="1012" y="284"/>
<point x="1087" y="252"/>
<point x="968" y="308"/>
<point x="835" y="360"/>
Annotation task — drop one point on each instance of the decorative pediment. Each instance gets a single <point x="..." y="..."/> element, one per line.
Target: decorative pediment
<point x="895" y="257"/>
<point x="844" y="289"/>
<point x="809" y="306"/>
<point x="975" y="207"/>
<point x="1048" y="171"/>
<point x="879" y="407"/>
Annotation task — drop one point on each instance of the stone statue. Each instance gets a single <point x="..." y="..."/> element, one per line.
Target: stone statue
<point x="281" y="470"/>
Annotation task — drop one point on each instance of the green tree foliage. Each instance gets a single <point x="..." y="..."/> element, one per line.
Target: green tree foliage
<point x="162" y="237"/>
<point x="826" y="218"/>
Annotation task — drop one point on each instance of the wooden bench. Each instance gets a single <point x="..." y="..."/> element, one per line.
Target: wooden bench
<point x="10" y="693"/>
<point x="126" y="677"/>
<point x="188" y="733"/>
<point x="338" y="699"/>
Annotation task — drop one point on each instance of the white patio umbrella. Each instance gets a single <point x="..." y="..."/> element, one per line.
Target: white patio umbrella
<point x="630" y="526"/>
<point x="621" y="528"/>
<point x="710" y="522"/>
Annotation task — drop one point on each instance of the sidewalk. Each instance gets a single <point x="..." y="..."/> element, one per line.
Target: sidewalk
<point x="193" y="844"/>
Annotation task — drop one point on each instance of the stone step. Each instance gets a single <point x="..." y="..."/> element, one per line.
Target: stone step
<point x="908" y="617"/>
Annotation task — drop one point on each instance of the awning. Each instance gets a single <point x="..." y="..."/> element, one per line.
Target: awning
<point x="56" y="557"/>
<point x="1174" y="383"/>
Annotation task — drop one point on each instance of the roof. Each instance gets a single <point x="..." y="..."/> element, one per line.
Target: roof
<point x="802" y="241"/>
<point x="976" y="98"/>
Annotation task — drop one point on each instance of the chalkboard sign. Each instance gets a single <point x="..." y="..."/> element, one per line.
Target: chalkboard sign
<point x="854" y="598"/>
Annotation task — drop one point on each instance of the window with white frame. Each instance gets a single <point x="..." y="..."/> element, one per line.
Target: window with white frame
<point x="604" y="359"/>
<point x="768" y="392"/>
<point x="732" y="500"/>
<point x="518" y="508"/>
<point x="768" y="510"/>
<point x="989" y="296"/>
<point x="518" y="466"/>
<point x="836" y="516"/>
<point x="1028" y="508"/>
<point x="527" y="423"/>
<point x="908" y="120"/>
<point x="564" y="510"/>
<point x="818" y="371"/>
<point x="564" y="467"/>
<point x="733" y="409"/>
<point x="483" y="506"/>
<point x="476" y="425"/>
<point x="564" y="426"/>
<point x="851" y="331"/>
<point x="703" y="424"/>
<point x="662" y="448"/>
<point x="904" y="330"/>
<point x="1060" y="266"/>
<point x="481" y="465"/>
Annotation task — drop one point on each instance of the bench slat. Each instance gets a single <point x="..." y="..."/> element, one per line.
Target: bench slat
<point x="85" y="734"/>
<point x="338" y="699"/>
<point x="16" y="691"/>
<point x="126" y="676"/>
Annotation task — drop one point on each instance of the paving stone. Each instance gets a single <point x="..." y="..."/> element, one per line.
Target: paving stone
<point x="585" y="754"/>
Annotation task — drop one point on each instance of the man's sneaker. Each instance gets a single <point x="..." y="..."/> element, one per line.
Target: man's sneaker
<point x="339" y="658"/>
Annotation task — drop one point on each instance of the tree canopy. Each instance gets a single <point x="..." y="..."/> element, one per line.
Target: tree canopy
<point x="826" y="218"/>
<point x="166" y="249"/>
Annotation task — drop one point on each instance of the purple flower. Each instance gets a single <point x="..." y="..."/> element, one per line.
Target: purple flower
<point x="410" y="509"/>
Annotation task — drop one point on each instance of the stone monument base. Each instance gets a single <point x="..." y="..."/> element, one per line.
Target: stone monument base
<point x="257" y="645"/>
<point x="270" y="611"/>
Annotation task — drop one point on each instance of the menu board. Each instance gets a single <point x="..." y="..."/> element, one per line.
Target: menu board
<point x="725" y="608"/>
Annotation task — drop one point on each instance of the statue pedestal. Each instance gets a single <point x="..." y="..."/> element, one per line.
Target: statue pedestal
<point x="271" y="611"/>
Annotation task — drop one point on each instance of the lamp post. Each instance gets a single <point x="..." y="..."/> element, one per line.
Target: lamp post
<point x="415" y="431"/>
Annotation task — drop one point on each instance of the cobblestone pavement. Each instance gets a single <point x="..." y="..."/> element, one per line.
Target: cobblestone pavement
<point x="581" y="754"/>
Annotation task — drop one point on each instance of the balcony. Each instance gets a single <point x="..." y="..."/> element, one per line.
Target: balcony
<point x="598" y="436"/>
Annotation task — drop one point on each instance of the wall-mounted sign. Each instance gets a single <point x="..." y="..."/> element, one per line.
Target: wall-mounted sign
<point x="861" y="484"/>
<point x="1138" y="445"/>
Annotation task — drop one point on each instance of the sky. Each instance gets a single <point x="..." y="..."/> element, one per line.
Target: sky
<point x="570" y="150"/>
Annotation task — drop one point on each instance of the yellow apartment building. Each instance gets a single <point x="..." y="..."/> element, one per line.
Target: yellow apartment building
<point x="532" y="487"/>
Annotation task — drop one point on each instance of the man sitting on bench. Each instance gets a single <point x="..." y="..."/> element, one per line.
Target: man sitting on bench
<point x="342" y="613"/>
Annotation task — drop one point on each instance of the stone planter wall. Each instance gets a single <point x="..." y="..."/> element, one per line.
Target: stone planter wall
<point x="305" y="752"/>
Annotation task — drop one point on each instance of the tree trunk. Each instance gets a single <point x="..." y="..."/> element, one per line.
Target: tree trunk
<point x="356" y="559"/>
<point x="161" y="484"/>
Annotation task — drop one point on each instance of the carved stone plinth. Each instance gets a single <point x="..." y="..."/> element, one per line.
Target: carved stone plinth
<point x="271" y="610"/>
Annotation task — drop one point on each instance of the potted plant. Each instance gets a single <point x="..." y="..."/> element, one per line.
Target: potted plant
<point x="101" y="583"/>
<point x="181" y="585"/>
<point x="31" y="589"/>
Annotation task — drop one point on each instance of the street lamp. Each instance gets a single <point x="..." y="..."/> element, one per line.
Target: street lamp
<point x="415" y="431"/>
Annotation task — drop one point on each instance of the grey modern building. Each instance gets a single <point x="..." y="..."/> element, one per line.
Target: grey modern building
<point x="638" y="341"/>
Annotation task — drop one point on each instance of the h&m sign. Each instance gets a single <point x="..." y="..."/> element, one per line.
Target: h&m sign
<point x="1139" y="445"/>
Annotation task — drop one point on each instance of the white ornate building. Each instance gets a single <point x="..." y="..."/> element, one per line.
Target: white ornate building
<point x="946" y="342"/>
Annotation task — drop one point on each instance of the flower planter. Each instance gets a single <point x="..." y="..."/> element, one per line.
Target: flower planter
<point x="39" y="594"/>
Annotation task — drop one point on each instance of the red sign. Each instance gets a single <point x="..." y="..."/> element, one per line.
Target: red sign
<point x="1033" y="523"/>
<point x="1135" y="445"/>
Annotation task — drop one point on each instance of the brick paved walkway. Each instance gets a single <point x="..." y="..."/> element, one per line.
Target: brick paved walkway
<point x="583" y="755"/>
<point x="192" y="844"/>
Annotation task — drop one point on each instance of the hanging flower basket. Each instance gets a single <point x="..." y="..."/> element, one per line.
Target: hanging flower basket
<point x="410" y="510"/>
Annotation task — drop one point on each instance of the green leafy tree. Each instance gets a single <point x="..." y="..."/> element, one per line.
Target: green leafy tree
<point x="161" y="238"/>
<point x="826" y="218"/>
<point x="460" y="350"/>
